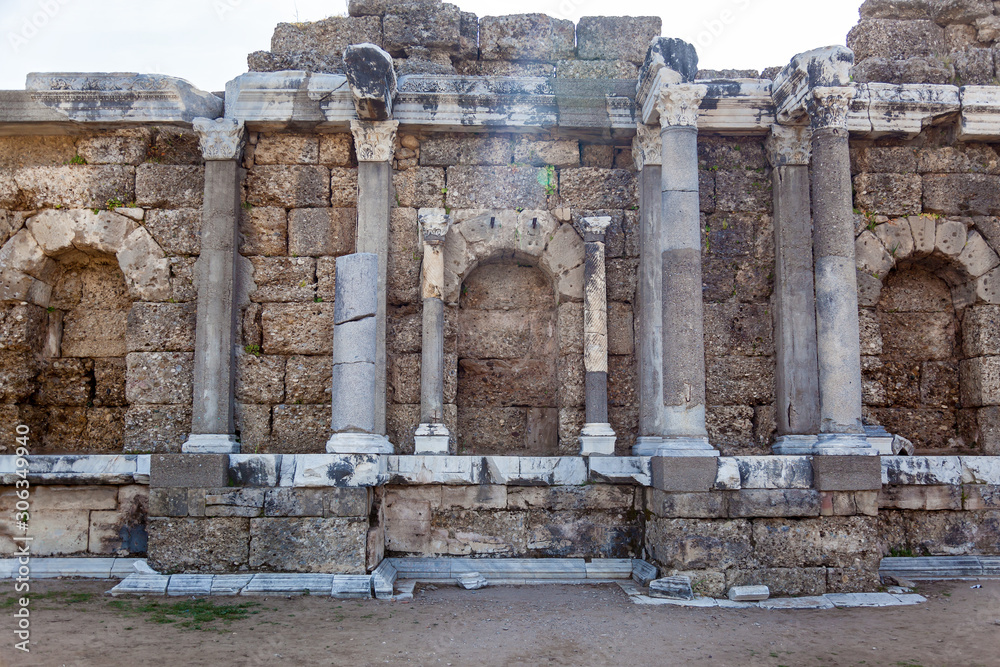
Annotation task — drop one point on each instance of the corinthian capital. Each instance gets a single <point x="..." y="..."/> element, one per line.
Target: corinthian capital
<point x="434" y="223"/>
<point x="828" y="106"/>
<point x="678" y="104"/>
<point x="646" y="146"/>
<point x="374" y="141"/>
<point x="220" y="138"/>
<point x="789" y="145"/>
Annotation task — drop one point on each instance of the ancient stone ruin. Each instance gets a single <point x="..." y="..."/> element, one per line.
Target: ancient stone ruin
<point x="423" y="284"/>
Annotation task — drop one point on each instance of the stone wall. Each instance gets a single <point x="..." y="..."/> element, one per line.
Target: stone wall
<point x="79" y="520"/>
<point x="927" y="41"/>
<point x="497" y="521"/>
<point x="927" y="241"/>
<point x="738" y="279"/>
<point x="101" y="236"/>
<point x="439" y="38"/>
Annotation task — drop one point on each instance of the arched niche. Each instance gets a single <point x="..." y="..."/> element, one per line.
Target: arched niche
<point x="79" y="273"/>
<point x="927" y="294"/>
<point x="506" y="273"/>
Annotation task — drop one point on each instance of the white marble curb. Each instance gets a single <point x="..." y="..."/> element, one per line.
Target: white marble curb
<point x="84" y="568"/>
<point x="828" y="601"/>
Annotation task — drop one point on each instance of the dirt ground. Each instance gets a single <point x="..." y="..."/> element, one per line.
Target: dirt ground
<point x="74" y="623"/>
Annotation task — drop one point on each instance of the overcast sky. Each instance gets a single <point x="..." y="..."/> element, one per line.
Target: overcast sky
<point x="207" y="41"/>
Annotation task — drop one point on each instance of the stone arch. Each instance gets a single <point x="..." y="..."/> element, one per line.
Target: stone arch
<point x="28" y="257"/>
<point x="520" y="247"/>
<point x="78" y="363"/>
<point x="926" y="284"/>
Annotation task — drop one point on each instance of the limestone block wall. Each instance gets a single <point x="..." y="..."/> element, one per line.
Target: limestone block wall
<point x="499" y="521"/>
<point x="100" y="233"/>
<point x="738" y="279"/>
<point x="84" y="520"/>
<point x="926" y="41"/>
<point x="298" y="214"/>
<point x="927" y="242"/>
<point x="439" y="38"/>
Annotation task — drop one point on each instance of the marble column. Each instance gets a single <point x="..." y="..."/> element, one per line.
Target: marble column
<point x="597" y="437"/>
<point x="646" y="152"/>
<point x="837" y="331"/>
<point x="432" y="435"/>
<point x="796" y="371"/>
<point x="684" y="432"/>
<point x="212" y="427"/>
<point x="354" y="381"/>
<point x="374" y="143"/>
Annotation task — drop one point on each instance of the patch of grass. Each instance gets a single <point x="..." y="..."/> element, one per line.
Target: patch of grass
<point x="194" y="614"/>
<point x="902" y="552"/>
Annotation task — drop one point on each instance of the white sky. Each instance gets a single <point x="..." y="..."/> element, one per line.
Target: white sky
<point x="207" y="41"/>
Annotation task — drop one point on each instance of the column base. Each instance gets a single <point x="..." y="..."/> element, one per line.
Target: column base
<point x="646" y="445"/>
<point x="597" y="440"/>
<point x="676" y="446"/>
<point x="794" y="445"/>
<point x="358" y="443"/>
<point x="210" y="443"/>
<point x="825" y="444"/>
<point x="431" y="439"/>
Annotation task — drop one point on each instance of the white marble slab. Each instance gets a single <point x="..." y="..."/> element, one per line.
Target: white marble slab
<point x="340" y="470"/>
<point x="808" y="602"/>
<point x="697" y="602"/>
<point x="609" y="568"/>
<point x="88" y="568"/>
<point x="383" y="579"/>
<point x="862" y="599"/>
<point x="536" y="470"/>
<point x="921" y="470"/>
<point x="727" y="476"/>
<point x="643" y="572"/>
<point x="142" y="584"/>
<point x="620" y="470"/>
<point x="289" y="584"/>
<point x="430" y="469"/>
<point x="255" y="469"/>
<point x="980" y="469"/>
<point x="351" y="586"/>
<point x="774" y="472"/>
<point x="190" y="584"/>
<point x="74" y="469"/>
<point x="230" y="584"/>
<point x="932" y="567"/>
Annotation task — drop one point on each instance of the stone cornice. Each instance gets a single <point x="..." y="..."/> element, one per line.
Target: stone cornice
<point x="220" y="139"/>
<point x="596" y="225"/>
<point x="374" y="141"/>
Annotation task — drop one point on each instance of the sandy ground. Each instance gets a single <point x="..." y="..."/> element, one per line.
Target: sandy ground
<point x="543" y="625"/>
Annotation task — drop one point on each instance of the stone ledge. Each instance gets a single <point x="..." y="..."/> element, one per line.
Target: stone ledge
<point x="71" y="469"/>
<point x="84" y="568"/>
<point x="936" y="568"/>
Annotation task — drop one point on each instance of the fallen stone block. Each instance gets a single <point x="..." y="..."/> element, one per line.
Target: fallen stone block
<point x="672" y="588"/>
<point x="749" y="593"/>
<point x="471" y="581"/>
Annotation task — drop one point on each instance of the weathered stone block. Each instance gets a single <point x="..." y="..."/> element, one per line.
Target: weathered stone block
<point x="920" y="497"/>
<point x="847" y="473"/>
<point x="288" y="186"/>
<point x="478" y="497"/>
<point x="561" y="153"/>
<point x="308" y="545"/>
<point x="300" y="429"/>
<point x="177" y="231"/>
<point x="198" y="544"/>
<point x="168" y="502"/>
<point x="293" y="502"/>
<point x="961" y="194"/>
<point x="284" y="279"/>
<point x="156" y="327"/>
<point x="343" y="186"/>
<point x="163" y="186"/>
<point x="735" y="380"/>
<point x="317" y="231"/>
<point x="93" y="333"/>
<point x="286" y="149"/>
<point x="589" y="188"/>
<point x="63" y="382"/>
<point x="706" y="505"/>
<point x="417" y="25"/>
<point x="525" y="37"/>
<point x="77" y="186"/>
<point x="263" y="231"/>
<point x="888" y="194"/>
<point x="305" y="328"/>
<point x="188" y="470"/>
<point x="443" y="150"/>
<point x="616" y="37"/>
<point x="980" y="381"/>
<point x="699" y="544"/>
<point x="773" y="503"/>
<point x="496" y="187"/>
<point x="260" y="378"/>
<point x="159" y="377"/>
<point x="895" y="40"/>
<point x="307" y="379"/>
<point x="596" y="497"/>
<point x="781" y="580"/>
<point x="684" y="473"/>
<point x="56" y="533"/>
<point x="156" y="428"/>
